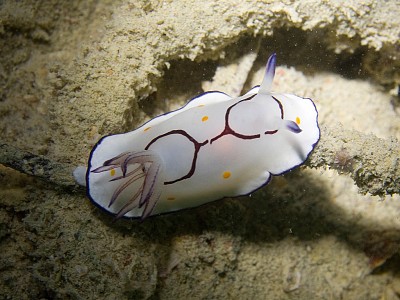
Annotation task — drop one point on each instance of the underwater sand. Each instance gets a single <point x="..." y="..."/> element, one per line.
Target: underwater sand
<point x="72" y="72"/>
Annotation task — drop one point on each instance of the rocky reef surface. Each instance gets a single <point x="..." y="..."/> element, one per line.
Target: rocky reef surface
<point x="74" y="71"/>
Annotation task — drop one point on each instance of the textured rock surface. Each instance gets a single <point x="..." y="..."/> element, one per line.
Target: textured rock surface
<point x="73" y="71"/>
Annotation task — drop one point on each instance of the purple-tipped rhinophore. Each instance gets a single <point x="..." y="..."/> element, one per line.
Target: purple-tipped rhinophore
<point x="265" y="87"/>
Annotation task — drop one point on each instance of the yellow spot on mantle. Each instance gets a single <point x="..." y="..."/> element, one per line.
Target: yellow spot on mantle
<point x="147" y="128"/>
<point x="112" y="172"/>
<point x="205" y="118"/>
<point x="298" y="120"/>
<point x="201" y="105"/>
<point x="226" y="174"/>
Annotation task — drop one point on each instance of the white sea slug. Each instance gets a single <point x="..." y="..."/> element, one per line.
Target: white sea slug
<point x="213" y="147"/>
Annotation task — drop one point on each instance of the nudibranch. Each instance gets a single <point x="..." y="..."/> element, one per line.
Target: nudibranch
<point x="213" y="147"/>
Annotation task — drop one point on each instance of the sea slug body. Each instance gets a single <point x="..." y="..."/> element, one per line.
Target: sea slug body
<point x="213" y="147"/>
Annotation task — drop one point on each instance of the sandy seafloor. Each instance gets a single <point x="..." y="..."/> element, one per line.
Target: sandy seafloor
<point x="73" y="71"/>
